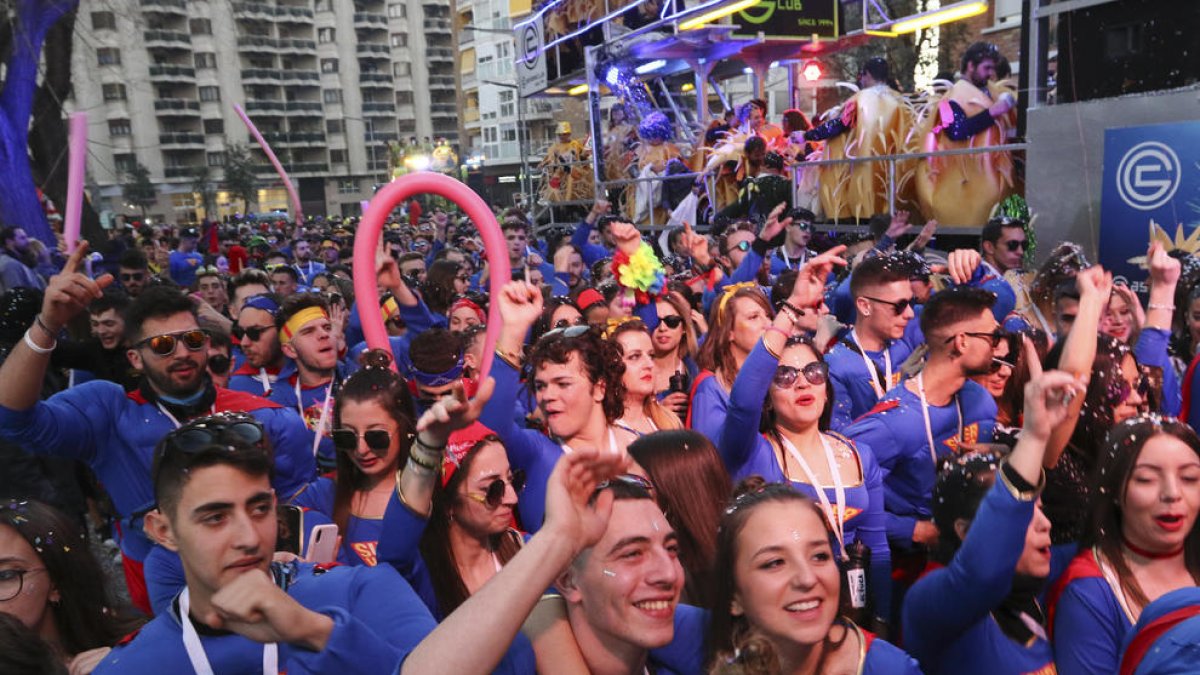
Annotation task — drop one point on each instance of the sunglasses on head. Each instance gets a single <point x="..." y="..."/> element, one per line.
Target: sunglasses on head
<point x="218" y="364"/>
<point x="220" y="431"/>
<point x="996" y="335"/>
<point x="377" y="440"/>
<point x="786" y="376"/>
<point x="567" y="332"/>
<point x="628" y="479"/>
<point x="674" y="321"/>
<point x="135" y="276"/>
<point x="564" y="323"/>
<point x="493" y="496"/>
<point x="164" y="345"/>
<point x="254" y="332"/>
<point x="1014" y="244"/>
<point x="897" y="307"/>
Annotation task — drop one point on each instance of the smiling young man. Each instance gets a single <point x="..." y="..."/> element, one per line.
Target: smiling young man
<point x="115" y="433"/>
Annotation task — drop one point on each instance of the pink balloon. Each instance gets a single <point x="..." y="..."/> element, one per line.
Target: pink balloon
<point x="75" y="168"/>
<point x="366" y="240"/>
<point x="297" y="213"/>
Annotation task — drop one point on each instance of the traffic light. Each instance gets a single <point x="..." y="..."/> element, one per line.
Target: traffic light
<point x="812" y="71"/>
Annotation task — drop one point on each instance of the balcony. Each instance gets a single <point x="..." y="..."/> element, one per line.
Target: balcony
<point x="382" y="136"/>
<point x="470" y="115"/>
<point x="295" y="45"/>
<point x="304" y="106"/>
<point x="377" y="165"/>
<point x="180" y="171"/>
<point x="438" y="26"/>
<point x="370" y="21"/>
<point x="172" y="73"/>
<point x="166" y="39"/>
<point x="181" y="138"/>
<point x="165" y="6"/>
<point x="442" y="82"/>
<point x="269" y="75"/>
<point x="310" y="167"/>
<point x="441" y="54"/>
<point x="177" y="106"/>
<point x="302" y="15"/>
<point x="378" y="108"/>
<point x="257" y="43"/>
<point x="302" y="76"/>
<point x="265" y="106"/>
<point x="253" y="10"/>
<point x="288" y="138"/>
<point x="376" y="80"/>
<point x="371" y="48"/>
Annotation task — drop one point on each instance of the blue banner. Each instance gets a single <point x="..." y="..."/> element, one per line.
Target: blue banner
<point x="1151" y="173"/>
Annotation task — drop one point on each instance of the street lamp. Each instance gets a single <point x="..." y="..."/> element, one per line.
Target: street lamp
<point x="522" y="135"/>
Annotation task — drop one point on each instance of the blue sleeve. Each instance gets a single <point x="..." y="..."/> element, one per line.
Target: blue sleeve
<point x="418" y="318"/>
<point x="686" y="651"/>
<point x="739" y="434"/>
<point x="1086" y="639"/>
<point x="873" y="533"/>
<point x="369" y="636"/>
<point x="947" y="602"/>
<point x="1151" y="350"/>
<point x="1006" y="300"/>
<point x="841" y="416"/>
<point x="399" y="546"/>
<point x="748" y="269"/>
<point x="69" y="424"/>
<point x="295" y="466"/>
<point x="885" y="447"/>
<point x="708" y="407"/>
<point x="963" y="127"/>
<point x="841" y="303"/>
<point x="163" y="571"/>
<point x="829" y="129"/>
<point x="353" y="329"/>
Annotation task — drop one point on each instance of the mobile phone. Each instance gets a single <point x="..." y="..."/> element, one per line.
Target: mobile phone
<point x="322" y="544"/>
<point x="290" y="519"/>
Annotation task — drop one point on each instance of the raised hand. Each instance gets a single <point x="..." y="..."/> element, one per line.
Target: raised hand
<point x="453" y="412"/>
<point x="71" y="291"/>
<point x="520" y="304"/>
<point x="1164" y="270"/>
<point x="1047" y="395"/>
<point x="1094" y="282"/>
<point x="962" y="263"/>
<point x="696" y="245"/>
<point x="924" y="236"/>
<point x="809" y="290"/>
<point x="569" y="516"/>
<point x="255" y="608"/>
<point x="626" y="237"/>
<point x="387" y="270"/>
<point x="774" y="226"/>
<point x="899" y="225"/>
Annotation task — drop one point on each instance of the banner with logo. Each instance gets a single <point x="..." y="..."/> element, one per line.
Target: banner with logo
<point x="789" y="20"/>
<point x="1151" y="173"/>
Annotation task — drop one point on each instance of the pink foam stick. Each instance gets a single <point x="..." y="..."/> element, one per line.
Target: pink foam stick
<point x="298" y="213"/>
<point x="363" y="204"/>
<point x="366" y="241"/>
<point x="75" y="169"/>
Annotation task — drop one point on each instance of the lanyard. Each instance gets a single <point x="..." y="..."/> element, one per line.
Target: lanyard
<point x="928" y="424"/>
<point x="322" y="420"/>
<point x="871" y="368"/>
<point x="171" y="417"/>
<point x="1114" y="583"/>
<point x="195" y="650"/>
<point x="838" y="519"/>
<point x="612" y="443"/>
<point x="787" y="262"/>
<point x="266" y="381"/>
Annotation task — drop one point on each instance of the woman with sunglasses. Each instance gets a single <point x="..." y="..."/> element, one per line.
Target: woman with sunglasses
<point x="780" y="604"/>
<point x="674" y="340"/>
<point x="1141" y="543"/>
<point x="51" y="583"/>
<point x="643" y="414"/>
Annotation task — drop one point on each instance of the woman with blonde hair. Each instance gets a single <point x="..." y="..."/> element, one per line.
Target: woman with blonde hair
<point x="738" y="318"/>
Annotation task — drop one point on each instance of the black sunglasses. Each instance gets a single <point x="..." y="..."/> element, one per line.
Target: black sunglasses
<point x="1014" y="244"/>
<point x="1118" y="392"/>
<point x="218" y="431"/>
<point x="995" y="336"/>
<point x="742" y="246"/>
<point x="377" y="440"/>
<point x="998" y="363"/>
<point x="218" y="364"/>
<point x="493" y="496"/>
<point x="803" y="225"/>
<point x="786" y="376"/>
<point x="674" y="321"/>
<point x="897" y="307"/>
<point x="164" y="345"/>
<point x="136" y="276"/>
<point x="254" y="332"/>
<point x="628" y="479"/>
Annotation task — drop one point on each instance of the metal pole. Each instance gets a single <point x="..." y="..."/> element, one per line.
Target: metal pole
<point x="597" y="130"/>
<point x="522" y="135"/>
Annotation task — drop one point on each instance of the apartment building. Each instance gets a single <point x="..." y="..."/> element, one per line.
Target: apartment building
<point x="328" y="83"/>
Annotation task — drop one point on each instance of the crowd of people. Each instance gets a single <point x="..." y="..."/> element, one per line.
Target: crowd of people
<point x="764" y="450"/>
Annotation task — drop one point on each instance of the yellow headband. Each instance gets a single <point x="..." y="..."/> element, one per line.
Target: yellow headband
<point x="389" y="308"/>
<point x="730" y="291"/>
<point x="612" y="324"/>
<point x="298" y="320"/>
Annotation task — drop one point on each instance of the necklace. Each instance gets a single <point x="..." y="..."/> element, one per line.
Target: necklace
<point x="1150" y="555"/>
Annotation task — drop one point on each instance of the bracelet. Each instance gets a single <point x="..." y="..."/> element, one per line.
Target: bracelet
<point x="779" y="330"/>
<point x="37" y="349"/>
<point x="38" y="318"/>
<point x="1154" y="305"/>
<point x="427" y="469"/>
<point x="796" y="311"/>
<point x="511" y="359"/>
<point x="768" y="349"/>
<point x="433" y="450"/>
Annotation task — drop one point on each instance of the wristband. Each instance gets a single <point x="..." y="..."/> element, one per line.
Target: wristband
<point x="420" y="467"/>
<point x="1154" y="305"/>
<point x="38" y="318"/>
<point x="768" y="347"/>
<point x="796" y="311"/>
<point x="37" y="349"/>
<point x="434" y="449"/>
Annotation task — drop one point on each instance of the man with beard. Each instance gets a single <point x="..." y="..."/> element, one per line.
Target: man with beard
<point x="310" y="339"/>
<point x="133" y="271"/>
<point x="303" y="261"/>
<point x="936" y="415"/>
<point x="115" y="433"/>
<point x="17" y="261"/>
<point x="103" y="356"/>
<point x="258" y="337"/>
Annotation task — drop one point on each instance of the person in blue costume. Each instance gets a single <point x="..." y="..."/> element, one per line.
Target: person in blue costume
<point x="302" y="261"/>
<point x="576" y="381"/>
<point x="258" y="338"/>
<point x="737" y="320"/>
<point x="186" y="259"/>
<point x="1165" y="638"/>
<point x="794" y="251"/>
<point x="1140" y="545"/>
<point x="940" y="413"/>
<point x="779" y="593"/>
<point x="980" y="613"/>
<point x="596" y="218"/>
<point x="1152" y="347"/>
<point x="240" y="612"/>
<point x="114" y="432"/>
<point x="311" y="336"/>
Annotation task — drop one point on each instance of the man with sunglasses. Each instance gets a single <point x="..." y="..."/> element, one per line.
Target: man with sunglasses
<point x="936" y="415"/>
<point x="258" y="338"/>
<point x="115" y="433"/>
<point x="794" y="251"/>
<point x="1003" y="244"/>
<point x="133" y="271"/>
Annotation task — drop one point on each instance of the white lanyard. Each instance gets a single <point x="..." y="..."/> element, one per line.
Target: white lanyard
<point x="1114" y="583"/>
<point x="195" y="650"/>
<point x="266" y="381"/>
<point x="612" y="443"/>
<point x="171" y="417"/>
<point x="928" y="424"/>
<point x="787" y="262"/>
<point x="322" y="420"/>
<point x="838" y="519"/>
<point x="887" y="365"/>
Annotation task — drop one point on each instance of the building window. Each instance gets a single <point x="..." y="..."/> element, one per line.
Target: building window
<point x="125" y="163"/>
<point x="399" y="39"/>
<point x="508" y="134"/>
<point x="346" y="186"/>
<point x="104" y="20"/>
<point x="397" y="11"/>
<point x="402" y="69"/>
<point x="325" y="35"/>
<point x="210" y="94"/>
<point x="119" y="128"/>
<point x="337" y="157"/>
<point x="200" y="26"/>
<point x="332" y="95"/>
<point x="324" y="5"/>
<point x="214" y="127"/>
<point x="216" y="159"/>
<point x="329" y="65"/>
<point x="404" y="98"/>
<point x="108" y="56"/>
<point x="333" y="126"/>
<point x="205" y="59"/>
<point x="113" y="92"/>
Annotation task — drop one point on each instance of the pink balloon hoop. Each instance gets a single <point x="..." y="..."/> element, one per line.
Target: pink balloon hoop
<point x="366" y="240"/>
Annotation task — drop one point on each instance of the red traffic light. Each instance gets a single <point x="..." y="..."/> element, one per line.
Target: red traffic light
<point x="812" y="71"/>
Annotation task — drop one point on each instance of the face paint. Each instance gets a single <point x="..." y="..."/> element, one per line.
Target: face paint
<point x="609" y="573"/>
